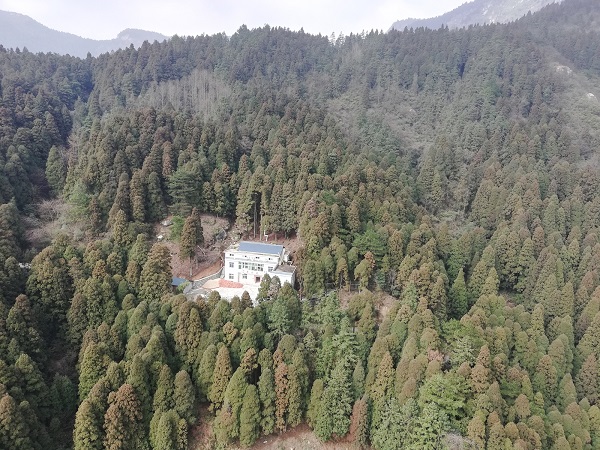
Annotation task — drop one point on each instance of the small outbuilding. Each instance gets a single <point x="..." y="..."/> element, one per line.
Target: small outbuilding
<point x="176" y="282"/>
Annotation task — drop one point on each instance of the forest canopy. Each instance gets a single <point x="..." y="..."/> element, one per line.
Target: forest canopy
<point x="444" y="187"/>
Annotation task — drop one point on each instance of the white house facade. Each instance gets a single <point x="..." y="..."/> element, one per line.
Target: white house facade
<point x="248" y="262"/>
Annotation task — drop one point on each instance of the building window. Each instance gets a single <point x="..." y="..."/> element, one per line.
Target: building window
<point x="244" y="276"/>
<point x="231" y="264"/>
<point x="256" y="267"/>
<point x="271" y="269"/>
<point x="231" y="276"/>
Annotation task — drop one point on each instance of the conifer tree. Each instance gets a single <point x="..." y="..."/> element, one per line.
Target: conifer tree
<point x="476" y="430"/>
<point x="281" y="395"/>
<point x="266" y="390"/>
<point x="359" y="423"/>
<point x="336" y="405"/>
<point x="139" y="379"/>
<point x="14" y="432"/>
<point x="167" y="432"/>
<point x="163" y="396"/>
<point x="184" y="396"/>
<point x="458" y="296"/>
<point x="250" y="417"/>
<point x="590" y="342"/>
<point x="93" y="365"/>
<point x="396" y="424"/>
<point x="587" y="381"/>
<point x="204" y="372"/>
<point x="155" y="279"/>
<point x="55" y="171"/>
<point x="88" y="433"/>
<point x="430" y="427"/>
<point x="220" y="379"/>
<point x="192" y="236"/>
<point x="480" y="273"/>
<point x="294" y="400"/>
<point x="122" y="422"/>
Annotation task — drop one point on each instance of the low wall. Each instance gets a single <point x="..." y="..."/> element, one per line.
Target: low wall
<point x="199" y="283"/>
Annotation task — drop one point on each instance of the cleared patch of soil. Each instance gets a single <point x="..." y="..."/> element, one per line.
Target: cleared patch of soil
<point x="208" y="260"/>
<point x="299" y="438"/>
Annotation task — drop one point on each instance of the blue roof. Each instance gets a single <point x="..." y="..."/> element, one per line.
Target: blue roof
<point x="178" y="281"/>
<point x="255" y="247"/>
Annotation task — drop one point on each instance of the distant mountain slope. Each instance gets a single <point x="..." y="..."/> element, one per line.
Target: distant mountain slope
<point x="478" y="12"/>
<point x="18" y="30"/>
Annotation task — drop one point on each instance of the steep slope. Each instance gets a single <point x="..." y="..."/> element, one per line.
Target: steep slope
<point x="18" y="30"/>
<point x="453" y="170"/>
<point x="477" y="12"/>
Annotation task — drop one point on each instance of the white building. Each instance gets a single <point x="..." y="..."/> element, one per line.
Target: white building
<point x="248" y="262"/>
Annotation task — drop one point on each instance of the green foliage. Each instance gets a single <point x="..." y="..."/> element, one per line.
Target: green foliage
<point x="250" y="417"/>
<point x="266" y="390"/>
<point x="184" y="396"/>
<point x="121" y="422"/>
<point x="451" y="169"/>
<point x="176" y="227"/>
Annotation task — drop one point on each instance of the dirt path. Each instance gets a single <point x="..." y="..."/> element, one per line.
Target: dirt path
<point x="299" y="438"/>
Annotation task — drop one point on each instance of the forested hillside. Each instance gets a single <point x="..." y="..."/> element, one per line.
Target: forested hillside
<point x="455" y="171"/>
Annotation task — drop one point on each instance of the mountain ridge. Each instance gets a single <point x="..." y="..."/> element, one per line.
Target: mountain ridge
<point x="477" y="12"/>
<point x="21" y="31"/>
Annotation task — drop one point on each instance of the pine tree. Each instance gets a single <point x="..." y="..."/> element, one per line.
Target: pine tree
<point x="220" y="379"/>
<point x="294" y="400"/>
<point x="458" y="296"/>
<point x="93" y="365"/>
<point x="476" y="430"/>
<point x="359" y="423"/>
<point x="155" y="279"/>
<point x="14" y="432"/>
<point x="163" y="396"/>
<point x="281" y="395"/>
<point x="88" y="433"/>
<point x="430" y="428"/>
<point x="56" y="171"/>
<point x="139" y="379"/>
<point x="166" y="435"/>
<point x="122" y="422"/>
<point x="266" y="390"/>
<point x="250" y="417"/>
<point x="336" y="405"/>
<point x="587" y="381"/>
<point x="184" y="396"/>
<point x="204" y="372"/>
<point x="192" y="235"/>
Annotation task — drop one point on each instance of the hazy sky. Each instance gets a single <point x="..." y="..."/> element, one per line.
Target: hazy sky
<point x="104" y="19"/>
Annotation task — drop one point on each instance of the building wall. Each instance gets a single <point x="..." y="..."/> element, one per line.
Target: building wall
<point x="252" y="265"/>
